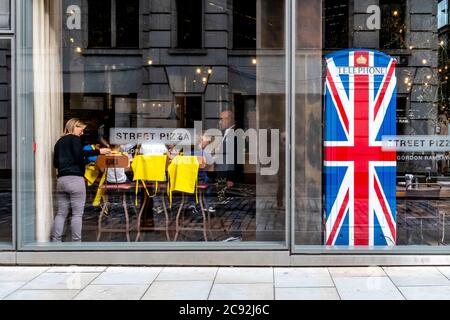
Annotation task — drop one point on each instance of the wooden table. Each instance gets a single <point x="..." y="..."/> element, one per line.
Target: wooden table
<point x="445" y="191"/>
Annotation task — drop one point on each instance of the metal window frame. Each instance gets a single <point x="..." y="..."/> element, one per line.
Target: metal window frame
<point x="8" y="34"/>
<point x="310" y="255"/>
<point x="26" y="212"/>
<point x="354" y="254"/>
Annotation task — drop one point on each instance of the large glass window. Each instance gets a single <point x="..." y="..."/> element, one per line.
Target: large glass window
<point x="383" y="180"/>
<point x="193" y="142"/>
<point x="5" y="142"/>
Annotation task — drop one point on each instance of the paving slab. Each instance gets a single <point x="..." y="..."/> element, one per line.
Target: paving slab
<point x="43" y="295"/>
<point x="6" y="288"/>
<point x="20" y="274"/>
<point x="416" y="276"/>
<point x="178" y="290"/>
<point x="132" y="275"/>
<point x="61" y="281"/>
<point x="426" y="293"/>
<point x="187" y="274"/>
<point x="242" y="292"/>
<point x="306" y="294"/>
<point x="357" y="272"/>
<point x="245" y="275"/>
<point x="76" y="269"/>
<point x="112" y="292"/>
<point x="302" y="277"/>
<point x="367" y="288"/>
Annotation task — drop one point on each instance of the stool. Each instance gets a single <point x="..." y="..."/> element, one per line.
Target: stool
<point x="105" y="163"/>
<point x="206" y="218"/>
<point x="123" y="189"/>
<point x="140" y="228"/>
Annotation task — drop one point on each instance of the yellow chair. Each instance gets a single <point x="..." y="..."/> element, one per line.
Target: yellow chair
<point x="150" y="168"/>
<point x="183" y="177"/>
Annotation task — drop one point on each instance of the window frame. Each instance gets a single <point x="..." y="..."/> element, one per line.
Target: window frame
<point x="174" y="30"/>
<point x="12" y="244"/>
<point x="113" y="25"/>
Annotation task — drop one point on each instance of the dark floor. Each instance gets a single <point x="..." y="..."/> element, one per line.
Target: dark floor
<point x="238" y="215"/>
<point x="6" y="217"/>
<point x="235" y="217"/>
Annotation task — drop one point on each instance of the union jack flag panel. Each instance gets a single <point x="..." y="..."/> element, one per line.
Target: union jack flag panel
<point x="360" y="177"/>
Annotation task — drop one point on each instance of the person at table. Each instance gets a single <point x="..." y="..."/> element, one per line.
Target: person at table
<point x="117" y="175"/>
<point x="69" y="161"/>
<point x="202" y="141"/>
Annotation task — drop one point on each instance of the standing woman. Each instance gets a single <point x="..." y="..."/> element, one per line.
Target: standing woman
<point x="69" y="161"/>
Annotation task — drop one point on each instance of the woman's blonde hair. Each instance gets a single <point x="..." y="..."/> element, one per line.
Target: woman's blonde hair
<point x="72" y="124"/>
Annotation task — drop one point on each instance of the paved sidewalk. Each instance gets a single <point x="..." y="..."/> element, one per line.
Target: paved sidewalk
<point x="212" y="283"/>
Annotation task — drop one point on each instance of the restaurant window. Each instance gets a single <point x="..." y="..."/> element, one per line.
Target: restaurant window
<point x="393" y="24"/>
<point x="5" y="14"/>
<point x="113" y="23"/>
<point x="6" y="152"/>
<point x="189" y="24"/>
<point x="153" y="110"/>
<point x="383" y="182"/>
<point x="244" y="24"/>
<point x="336" y="24"/>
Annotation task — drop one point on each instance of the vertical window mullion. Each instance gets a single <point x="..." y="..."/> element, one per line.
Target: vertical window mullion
<point x="113" y="24"/>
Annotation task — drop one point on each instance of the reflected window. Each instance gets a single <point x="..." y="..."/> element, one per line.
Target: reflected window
<point x="442" y="13"/>
<point x="113" y="23"/>
<point x="272" y="24"/>
<point x="5" y="14"/>
<point x="336" y="24"/>
<point x="189" y="24"/>
<point x="393" y="26"/>
<point x="244" y="24"/>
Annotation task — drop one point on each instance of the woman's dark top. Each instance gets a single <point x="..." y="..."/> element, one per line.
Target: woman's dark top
<point x="69" y="156"/>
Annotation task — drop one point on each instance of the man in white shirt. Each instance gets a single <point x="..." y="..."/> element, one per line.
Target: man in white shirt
<point x="227" y="170"/>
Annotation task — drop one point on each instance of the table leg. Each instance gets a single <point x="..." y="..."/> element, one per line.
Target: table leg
<point x="178" y="217"/>
<point x="144" y="203"/>
<point x="202" y="208"/>
<point x="167" y="216"/>
<point x="127" y="218"/>
<point x="100" y="217"/>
